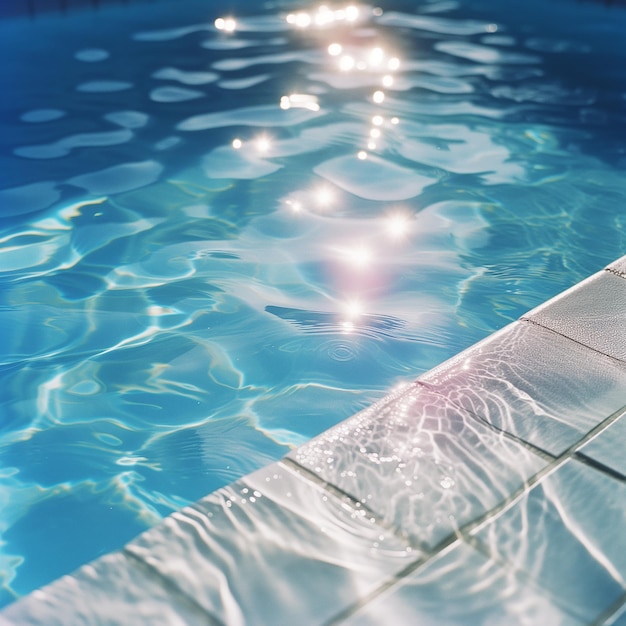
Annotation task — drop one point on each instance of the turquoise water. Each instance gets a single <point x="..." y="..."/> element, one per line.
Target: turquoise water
<point x="216" y="244"/>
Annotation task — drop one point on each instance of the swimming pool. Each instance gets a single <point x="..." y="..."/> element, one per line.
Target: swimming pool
<point x="217" y="244"/>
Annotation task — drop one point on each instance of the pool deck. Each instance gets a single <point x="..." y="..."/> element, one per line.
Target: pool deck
<point x="492" y="490"/>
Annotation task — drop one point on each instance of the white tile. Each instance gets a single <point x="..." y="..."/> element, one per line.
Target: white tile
<point x="461" y="587"/>
<point x="593" y="313"/>
<point x="567" y="534"/>
<point x="535" y="384"/>
<point x="111" y="590"/>
<point x="422" y="464"/>
<point x="273" y="548"/>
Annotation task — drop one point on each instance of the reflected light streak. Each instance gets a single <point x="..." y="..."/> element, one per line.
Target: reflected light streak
<point x="351" y="311"/>
<point x="300" y="101"/>
<point x="323" y="16"/>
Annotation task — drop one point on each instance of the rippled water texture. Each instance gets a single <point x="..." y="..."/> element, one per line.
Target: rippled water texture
<point x="217" y="242"/>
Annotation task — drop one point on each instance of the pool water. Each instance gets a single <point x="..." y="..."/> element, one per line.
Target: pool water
<point x="217" y="242"/>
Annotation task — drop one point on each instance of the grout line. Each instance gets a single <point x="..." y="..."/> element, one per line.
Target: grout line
<point x="465" y="532"/>
<point x="339" y="493"/>
<point x="171" y="584"/>
<point x="500" y="431"/>
<point x="598" y="465"/>
<point x="392" y="581"/>
<point x="613" y="610"/>
<point x="556" y="332"/>
<point x="568" y="454"/>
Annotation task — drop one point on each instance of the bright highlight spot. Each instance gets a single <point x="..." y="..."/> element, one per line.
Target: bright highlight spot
<point x="360" y="257"/>
<point x="394" y="63"/>
<point x="362" y="155"/>
<point x="377" y="120"/>
<point x="237" y="143"/>
<point x="263" y="144"/>
<point x="395" y="120"/>
<point x="324" y="16"/>
<point x="397" y="225"/>
<point x="296" y="206"/>
<point x="346" y="63"/>
<point x="335" y="49"/>
<point x="324" y="197"/>
<point x="387" y="80"/>
<point x="375" y="133"/>
<point x="227" y="24"/>
<point x="371" y="145"/>
<point x="376" y="56"/>
<point x="353" y="309"/>
<point x="352" y="13"/>
<point x="378" y="97"/>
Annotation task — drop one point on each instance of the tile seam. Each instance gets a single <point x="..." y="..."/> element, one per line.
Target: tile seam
<point x="500" y="431"/>
<point x="598" y="465"/>
<point x="465" y="532"/>
<point x="528" y="320"/>
<point x="171" y="585"/>
<point x="604" y="617"/>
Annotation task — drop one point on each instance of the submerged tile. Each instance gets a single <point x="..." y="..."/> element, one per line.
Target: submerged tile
<point x="114" y="589"/>
<point x="462" y="587"/>
<point x="421" y="463"/>
<point x="535" y="384"/>
<point x="593" y="312"/>
<point x="273" y="548"/>
<point x="609" y="447"/>
<point x="567" y="535"/>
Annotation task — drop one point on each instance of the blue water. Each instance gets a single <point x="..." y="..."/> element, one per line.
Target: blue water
<point x="195" y="280"/>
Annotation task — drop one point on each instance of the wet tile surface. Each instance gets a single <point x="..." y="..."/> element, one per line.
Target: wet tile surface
<point x="111" y="590"/>
<point x="463" y="587"/>
<point x="592" y="313"/>
<point x="535" y="384"/>
<point x="609" y="447"/>
<point x="567" y="535"/>
<point x="273" y="549"/>
<point x="422" y="464"/>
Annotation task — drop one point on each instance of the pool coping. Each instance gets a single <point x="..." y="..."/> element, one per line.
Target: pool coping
<point x="396" y="508"/>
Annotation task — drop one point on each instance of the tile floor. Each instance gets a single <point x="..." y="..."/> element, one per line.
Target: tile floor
<point x="492" y="490"/>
